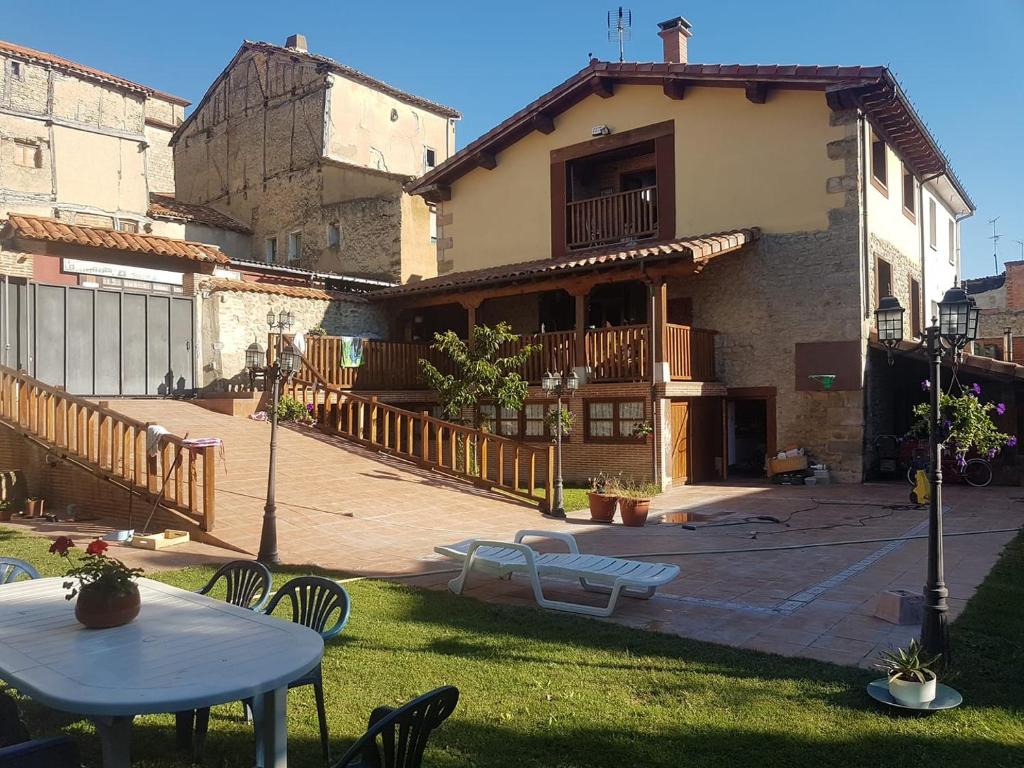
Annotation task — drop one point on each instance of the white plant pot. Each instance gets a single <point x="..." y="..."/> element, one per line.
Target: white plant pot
<point x="912" y="694"/>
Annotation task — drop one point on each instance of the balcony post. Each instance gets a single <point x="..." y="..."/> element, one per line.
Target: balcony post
<point x="659" y="328"/>
<point x="580" y="328"/>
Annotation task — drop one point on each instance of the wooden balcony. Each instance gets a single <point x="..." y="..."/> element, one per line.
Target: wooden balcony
<point x="619" y="354"/>
<point x="624" y="216"/>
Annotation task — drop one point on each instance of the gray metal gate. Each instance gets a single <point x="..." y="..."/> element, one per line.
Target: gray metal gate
<point x="98" y="342"/>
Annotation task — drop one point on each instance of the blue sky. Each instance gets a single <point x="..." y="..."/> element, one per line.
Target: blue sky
<point x="960" y="62"/>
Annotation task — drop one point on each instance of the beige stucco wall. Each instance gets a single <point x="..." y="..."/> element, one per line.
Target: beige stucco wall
<point x="738" y="164"/>
<point x="361" y="131"/>
<point x="100" y="171"/>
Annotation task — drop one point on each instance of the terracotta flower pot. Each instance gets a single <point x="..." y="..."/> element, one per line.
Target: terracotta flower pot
<point x="6" y="513"/>
<point x="634" y="511"/>
<point x="602" y="507"/>
<point x="34" y="507"/>
<point x="99" y="609"/>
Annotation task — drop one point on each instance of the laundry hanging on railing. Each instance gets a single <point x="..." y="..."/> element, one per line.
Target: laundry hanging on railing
<point x="351" y="352"/>
<point x="154" y="433"/>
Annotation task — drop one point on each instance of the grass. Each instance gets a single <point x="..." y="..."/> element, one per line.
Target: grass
<point x="541" y="689"/>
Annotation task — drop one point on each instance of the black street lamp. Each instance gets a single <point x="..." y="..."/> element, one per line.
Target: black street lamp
<point x="286" y="362"/>
<point x="955" y="328"/>
<point x="557" y="385"/>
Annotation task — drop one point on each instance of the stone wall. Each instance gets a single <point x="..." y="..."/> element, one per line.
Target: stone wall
<point x="229" y="321"/>
<point x="159" y="160"/>
<point x="904" y="269"/>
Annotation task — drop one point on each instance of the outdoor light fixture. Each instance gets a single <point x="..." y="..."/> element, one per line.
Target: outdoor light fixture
<point x="954" y="328"/>
<point x="557" y="385"/>
<point x="255" y="357"/>
<point x="286" y="362"/>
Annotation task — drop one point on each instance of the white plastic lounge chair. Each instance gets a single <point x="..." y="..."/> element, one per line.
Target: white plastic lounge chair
<point x="596" y="573"/>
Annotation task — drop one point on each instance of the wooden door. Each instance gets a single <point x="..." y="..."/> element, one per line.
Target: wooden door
<point x="680" y="441"/>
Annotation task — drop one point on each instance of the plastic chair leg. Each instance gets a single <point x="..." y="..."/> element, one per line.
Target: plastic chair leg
<point x="321" y="713"/>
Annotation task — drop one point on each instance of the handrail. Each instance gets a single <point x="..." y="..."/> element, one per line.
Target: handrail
<point x="112" y="445"/>
<point x="619" y="353"/>
<point x="690" y="353"/>
<point x="487" y="460"/>
<point x="632" y="214"/>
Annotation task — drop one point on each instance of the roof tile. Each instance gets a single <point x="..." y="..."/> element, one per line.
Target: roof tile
<point x="168" y="207"/>
<point x="277" y="289"/>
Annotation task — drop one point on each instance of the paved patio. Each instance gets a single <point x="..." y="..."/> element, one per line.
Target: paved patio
<point x="787" y="584"/>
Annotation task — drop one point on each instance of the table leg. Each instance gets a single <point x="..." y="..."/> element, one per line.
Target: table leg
<point x="115" y="740"/>
<point x="270" y="718"/>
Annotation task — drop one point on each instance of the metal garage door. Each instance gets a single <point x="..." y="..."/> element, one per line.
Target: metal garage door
<point x="98" y="342"/>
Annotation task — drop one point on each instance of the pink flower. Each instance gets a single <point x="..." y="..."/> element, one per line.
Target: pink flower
<point x="1000" y="408"/>
<point x="96" y="547"/>
<point x="61" y="545"/>
<point x="1012" y="441"/>
<point x="925" y="385"/>
<point x="975" y="389"/>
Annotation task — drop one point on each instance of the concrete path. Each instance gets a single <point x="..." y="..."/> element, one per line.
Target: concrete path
<point x="796" y="586"/>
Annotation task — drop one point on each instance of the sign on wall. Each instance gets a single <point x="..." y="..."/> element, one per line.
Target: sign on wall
<point x="122" y="271"/>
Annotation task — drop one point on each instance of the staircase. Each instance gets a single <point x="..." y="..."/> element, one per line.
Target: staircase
<point x="524" y="470"/>
<point x="178" y="477"/>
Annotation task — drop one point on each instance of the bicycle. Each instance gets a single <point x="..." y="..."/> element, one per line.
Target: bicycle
<point x="976" y="472"/>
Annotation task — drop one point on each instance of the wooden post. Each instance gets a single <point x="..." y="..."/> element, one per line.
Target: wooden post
<point x="373" y="419"/>
<point x="483" y="458"/>
<point x="209" y="487"/>
<point x="425" y="438"/>
<point x="104" y="422"/>
<point x="581" y="328"/>
<point x="660" y="321"/>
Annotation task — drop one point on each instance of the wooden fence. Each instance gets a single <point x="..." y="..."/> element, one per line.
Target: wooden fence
<point x="690" y="353"/>
<point x="112" y="445"/>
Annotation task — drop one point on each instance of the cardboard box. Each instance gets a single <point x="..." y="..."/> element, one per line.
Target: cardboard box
<point x="778" y="466"/>
<point x="168" y="538"/>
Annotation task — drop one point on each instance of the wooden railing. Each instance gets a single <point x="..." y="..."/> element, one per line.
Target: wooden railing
<point x="619" y="354"/>
<point x="112" y="445"/>
<point x="690" y="353"/>
<point x="630" y="215"/>
<point x="557" y="353"/>
<point x="487" y="460"/>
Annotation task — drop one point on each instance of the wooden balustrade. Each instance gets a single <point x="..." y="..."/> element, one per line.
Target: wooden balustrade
<point x="619" y="354"/>
<point x="487" y="460"/>
<point x="112" y="445"/>
<point x="690" y="353"/>
<point x="556" y="353"/>
<point x="630" y="215"/>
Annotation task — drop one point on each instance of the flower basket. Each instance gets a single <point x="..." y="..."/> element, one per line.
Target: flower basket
<point x="97" y="608"/>
<point x="105" y="587"/>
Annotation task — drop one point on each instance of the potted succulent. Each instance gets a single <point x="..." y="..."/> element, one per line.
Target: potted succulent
<point x="603" y="497"/>
<point x="635" y="503"/>
<point x="6" y="512"/>
<point x="34" y="506"/>
<point x="107" y="593"/>
<point x="911" y="677"/>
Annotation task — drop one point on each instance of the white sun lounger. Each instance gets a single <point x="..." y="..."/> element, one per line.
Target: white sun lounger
<point x="596" y="573"/>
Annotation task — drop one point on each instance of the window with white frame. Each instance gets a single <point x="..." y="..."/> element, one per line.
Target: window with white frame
<point x="294" y="246"/>
<point x="429" y="159"/>
<point x="933" y="229"/>
<point x="334" y="235"/>
<point x="433" y="224"/>
<point x="952" y="242"/>
<point x="270" y="250"/>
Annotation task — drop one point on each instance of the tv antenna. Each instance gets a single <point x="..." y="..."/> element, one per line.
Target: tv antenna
<point x="995" y="242"/>
<point x="620" y="25"/>
<point x="1021" y="244"/>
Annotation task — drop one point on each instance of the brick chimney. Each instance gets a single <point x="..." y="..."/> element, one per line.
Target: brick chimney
<point x="297" y="43"/>
<point x="1015" y="285"/>
<point x="674" y="33"/>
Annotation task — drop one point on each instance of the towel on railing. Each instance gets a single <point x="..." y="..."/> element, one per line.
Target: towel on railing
<point x="351" y="352"/>
<point x="153" y="434"/>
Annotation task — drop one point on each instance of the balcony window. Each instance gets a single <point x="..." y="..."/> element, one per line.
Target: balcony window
<point x="879" y="161"/>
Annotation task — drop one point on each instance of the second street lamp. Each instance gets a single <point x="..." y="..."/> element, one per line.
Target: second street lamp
<point x="955" y="328"/>
<point x="558" y="385"/>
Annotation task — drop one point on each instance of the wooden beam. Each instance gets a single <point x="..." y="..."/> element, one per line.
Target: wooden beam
<point x="486" y="160"/>
<point x="581" y="327"/>
<point x="437" y="193"/>
<point x="603" y="87"/>
<point x="674" y="89"/>
<point x="660" y="319"/>
<point x="756" y="92"/>
<point x="543" y="123"/>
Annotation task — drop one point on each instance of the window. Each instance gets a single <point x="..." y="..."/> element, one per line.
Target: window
<point x="334" y="235"/>
<point x="915" y="308"/>
<point x="128" y="226"/>
<point x="429" y="159"/>
<point x="270" y="250"/>
<point x="952" y="242"/>
<point x="433" y="224"/>
<point x="613" y="419"/>
<point x="528" y="424"/>
<point x="17" y="72"/>
<point x="534" y="424"/>
<point x="878" y="162"/>
<point x="27" y="154"/>
<point x="933" y="234"/>
<point x="884" y="273"/>
<point x="908" y="193"/>
<point x="294" y="246"/>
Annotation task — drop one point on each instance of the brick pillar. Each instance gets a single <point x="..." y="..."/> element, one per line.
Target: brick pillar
<point x="1015" y="285"/>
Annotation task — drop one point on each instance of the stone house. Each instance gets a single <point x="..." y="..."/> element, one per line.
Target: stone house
<point x="700" y="354"/>
<point x="1001" y="324"/>
<point x="312" y="156"/>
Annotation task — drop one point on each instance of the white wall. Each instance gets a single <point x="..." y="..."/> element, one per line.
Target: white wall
<point x="941" y="271"/>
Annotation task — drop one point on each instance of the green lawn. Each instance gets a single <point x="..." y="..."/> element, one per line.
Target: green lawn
<point x="541" y="689"/>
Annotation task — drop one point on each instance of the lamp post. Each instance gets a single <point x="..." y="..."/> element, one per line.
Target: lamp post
<point x="285" y="363"/>
<point x="557" y="385"/>
<point x="955" y="328"/>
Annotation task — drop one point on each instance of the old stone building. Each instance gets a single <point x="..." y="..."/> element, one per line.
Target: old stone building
<point x="1001" y="325"/>
<point x="312" y="156"/>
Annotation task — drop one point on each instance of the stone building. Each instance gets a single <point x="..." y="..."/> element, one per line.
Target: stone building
<point x="1001" y="324"/>
<point x="312" y="156"/>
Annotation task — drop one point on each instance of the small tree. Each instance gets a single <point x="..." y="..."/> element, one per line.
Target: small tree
<point x="481" y="371"/>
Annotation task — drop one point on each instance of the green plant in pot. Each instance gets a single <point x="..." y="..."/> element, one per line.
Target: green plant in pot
<point x="107" y="593"/>
<point x="912" y="679"/>
<point x="635" y="503"/>
<point x="603" y="497"/>
<point x="642" y="430"/>
<point x="6" y="511"/>
<point x="34" y="506"/>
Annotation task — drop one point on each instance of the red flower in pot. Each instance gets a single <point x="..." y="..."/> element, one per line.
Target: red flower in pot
<point x="105" y="587"/>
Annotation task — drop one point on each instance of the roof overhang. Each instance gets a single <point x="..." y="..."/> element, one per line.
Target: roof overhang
<point x="975" y="365"/>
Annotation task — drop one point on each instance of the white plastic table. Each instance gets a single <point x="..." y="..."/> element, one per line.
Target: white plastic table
<point x="183" y="651"/>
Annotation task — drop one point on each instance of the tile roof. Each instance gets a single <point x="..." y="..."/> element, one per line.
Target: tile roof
<point x="80" y="69"/>
<point x="275" y="289"/>
<point x="983" y="284"/>
<point x="873" y="88"/>
<point x="699" y="248"/>
<point x="973" y="364"/>
<point x="51" y="230"/>
<point x="168" y="207"/>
